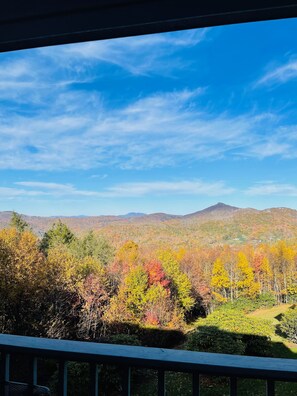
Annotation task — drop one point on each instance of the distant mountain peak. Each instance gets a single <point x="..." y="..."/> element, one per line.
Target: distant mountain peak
<point x="220" y="207"/>
<point x="132" y="215"/>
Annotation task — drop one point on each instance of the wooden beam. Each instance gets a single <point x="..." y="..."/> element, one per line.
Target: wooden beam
<point x="35" y="23"/>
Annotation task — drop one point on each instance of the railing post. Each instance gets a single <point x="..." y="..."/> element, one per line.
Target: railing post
<point x="126" y="381"/>
<point x="33" y="375"/>
<point x="4" y="372"/>
<point x="62" y="381"/>
<point x="94" y="379"/>
<point x="161" y="383"/>
<point x="196" y="384"/>
<point x="233" y="386"/>
<point x="270" y="388"/>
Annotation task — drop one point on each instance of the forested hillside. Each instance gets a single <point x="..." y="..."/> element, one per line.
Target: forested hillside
<point x="65" y="285"/>
<point x="152" y="289"/>
<point x="216" y="225"/>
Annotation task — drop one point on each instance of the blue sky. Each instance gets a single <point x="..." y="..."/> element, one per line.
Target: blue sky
<point x="172" y="122"/>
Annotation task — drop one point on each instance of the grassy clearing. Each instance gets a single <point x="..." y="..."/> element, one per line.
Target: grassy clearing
<point x="272" y="314"/>
<point x="282" y="347"/>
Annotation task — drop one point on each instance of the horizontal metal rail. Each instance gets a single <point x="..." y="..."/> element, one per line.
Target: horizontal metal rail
<point x="162" y="360"/>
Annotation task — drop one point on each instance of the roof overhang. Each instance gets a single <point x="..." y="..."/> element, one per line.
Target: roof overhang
<point x="36" y="23"/>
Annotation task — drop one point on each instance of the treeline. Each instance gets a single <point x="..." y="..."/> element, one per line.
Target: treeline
<point x="63" y="286"/>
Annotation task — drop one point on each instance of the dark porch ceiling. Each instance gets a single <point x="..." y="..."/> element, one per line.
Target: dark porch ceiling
<point x="35" y="23"/>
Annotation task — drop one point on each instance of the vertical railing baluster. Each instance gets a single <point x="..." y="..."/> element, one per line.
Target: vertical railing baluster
<point x="196" y="384"/>
<point x="4" y="373"/>
<point x="62" y="380"/>
<point x="270" y="388"/>
<point x="126" y="381"/>
<point x="94" y="379"/>
<point x="233" y="386"/>
<point x="161" y="383"/>
<point x="33" y="375"/>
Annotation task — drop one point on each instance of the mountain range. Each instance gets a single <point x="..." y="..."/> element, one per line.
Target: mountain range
<point x="219" y="223"/>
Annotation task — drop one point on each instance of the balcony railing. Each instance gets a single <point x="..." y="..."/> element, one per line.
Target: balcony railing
<point x="127" y="357"/>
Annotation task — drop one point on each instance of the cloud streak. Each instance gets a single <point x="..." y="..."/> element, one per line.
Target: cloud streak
<point x="200" y="188"/>
<point x="187" y="187"/>
<point x="51" y="121"/>
<point x="142" y="55"/>
<point x="163" y="129"/>
<point x="136" y="189"/>
<point x="272" y="188"/>
<point x="54" y="189"/>
<point x="280" y="74"/>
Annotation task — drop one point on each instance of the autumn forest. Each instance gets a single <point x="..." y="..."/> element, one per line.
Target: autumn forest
<point x="84" y="287"/>
<point x="93" y="286"/>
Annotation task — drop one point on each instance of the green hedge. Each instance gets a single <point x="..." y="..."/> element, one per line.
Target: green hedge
<point x="264" y="300"/>
<point x="288" y="323"/>
<point x="147" y="336"/>
<point x="231" y="331"/>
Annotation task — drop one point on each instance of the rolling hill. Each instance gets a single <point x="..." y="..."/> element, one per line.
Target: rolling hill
<point x="217" y="224"/>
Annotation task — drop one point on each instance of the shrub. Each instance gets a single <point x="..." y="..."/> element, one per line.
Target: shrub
<point x="212" y="339"/>
<point x="147" y="336"/>
<point x="124" y="339"/>
<point x="236" y="321"/>
<point x="77" y="379"/>
<point x="288" y="324"/>
<point x="154" y="337"/>
<point x="265" y="300"/>
<point x="231" y="326"/>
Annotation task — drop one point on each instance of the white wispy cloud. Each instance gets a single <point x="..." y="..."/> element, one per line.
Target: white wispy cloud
<point x="29" y="81"/>
<point x="138" y="55"/>
<point x="273" y="147"/>
<point x="99" y="176"/>
<point x="272" y="188"/>
<point x="52" y="124"/>
<point x="15" y="69"/>
<point x="76" y="131"/>
<point x="11" y="193"/>
<point x="279" y="74"/>
<point x="186" y="187"/>
<point x="45" y="185"/>
<point x="57" y="189"/>
<point x="136" y="189"/>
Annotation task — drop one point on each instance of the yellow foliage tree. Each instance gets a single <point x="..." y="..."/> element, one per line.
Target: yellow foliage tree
<point x="220" y="281"/>
<point x="266" y="274"/>
<point x="245" y="283"/>
<point x="179" y="279"/>
<point x="27" y="264"/>
<point x="283" y="257"/>
<point x="127" y="256"/>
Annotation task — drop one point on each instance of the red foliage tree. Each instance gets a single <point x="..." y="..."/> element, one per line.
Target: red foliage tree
<point x="156" y="274"/>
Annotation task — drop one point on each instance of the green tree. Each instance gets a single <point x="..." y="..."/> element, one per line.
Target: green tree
<point x="18" y="222"/>
<point x="288" y="324"/>
<point x="58" y="234"/>
<point x="93" y="246"/>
